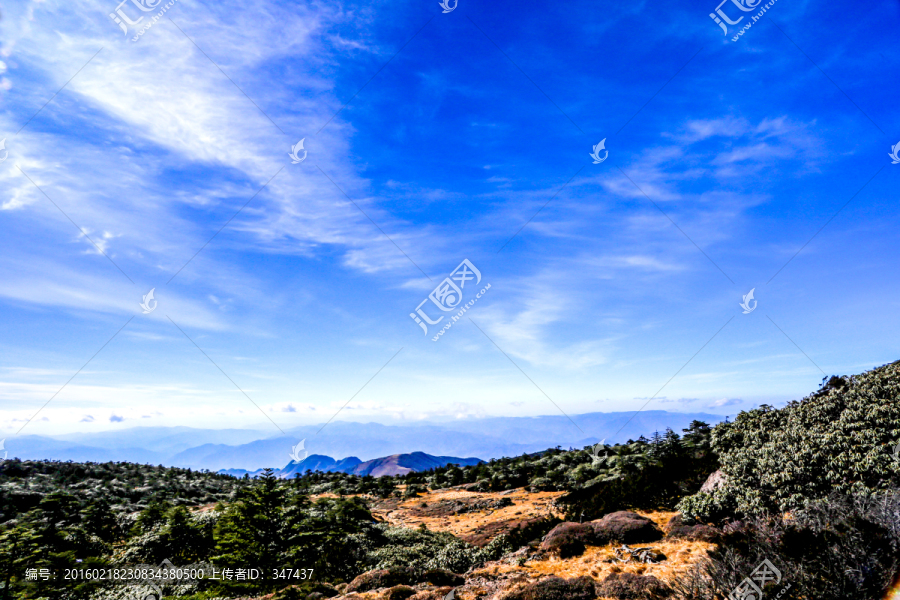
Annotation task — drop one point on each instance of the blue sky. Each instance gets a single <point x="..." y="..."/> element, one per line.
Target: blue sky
<point x="725" y="159"/>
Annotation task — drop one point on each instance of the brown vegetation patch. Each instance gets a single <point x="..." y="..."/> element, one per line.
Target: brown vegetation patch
<point x="599" y="562"/>
<point x="437" y="593"/>
<point x="481" y="537"/>
<point x="478" y="526"/>
<point x="399" y="592"/>
<point x="628" y="586"/>
<point x="568" y="539"/>
<point x="676" y="529"/>
<point x="553" y="588"/>
<point x="380" y="578"/>
<point x="625" y="527"/>
<point x="458" y="506"/>
<point x="522" y="569"/>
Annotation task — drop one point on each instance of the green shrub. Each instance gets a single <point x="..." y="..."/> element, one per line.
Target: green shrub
<point x="839" y="439"/>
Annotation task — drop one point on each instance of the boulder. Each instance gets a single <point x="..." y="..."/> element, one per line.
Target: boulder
<point x="625" y="527"/>
<point x="715" y="480"/>
<point x="628" y="586"/>
<point x="380" y="578"/>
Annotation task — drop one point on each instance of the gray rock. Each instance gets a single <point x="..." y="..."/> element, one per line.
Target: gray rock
<point x="715" y="480"/>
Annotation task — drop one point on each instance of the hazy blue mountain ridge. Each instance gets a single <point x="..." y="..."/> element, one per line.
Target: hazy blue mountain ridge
<point x="252" y="449"/>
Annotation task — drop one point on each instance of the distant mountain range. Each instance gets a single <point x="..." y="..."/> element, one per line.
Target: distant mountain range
<point x="396" y="464"/>
<point x="248" y="449"/>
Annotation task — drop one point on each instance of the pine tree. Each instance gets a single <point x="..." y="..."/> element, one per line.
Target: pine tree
<point x="19" y="550"/>
<point x="99" y="520"/>
<point x="257" y="530"/>
<point x="182" y="541"/>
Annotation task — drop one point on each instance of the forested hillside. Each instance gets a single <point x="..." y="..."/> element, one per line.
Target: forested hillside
<point x="109" y="514"/>
<point x="809" y="487"/>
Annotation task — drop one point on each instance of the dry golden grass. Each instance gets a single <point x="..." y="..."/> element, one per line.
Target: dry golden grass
<point x="680" y="554"/>
<point x="526" y="505"/>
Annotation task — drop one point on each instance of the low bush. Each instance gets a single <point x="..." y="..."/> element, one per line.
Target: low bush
<point x="441" y="577"/>
<point x="676" y="529"/>
<point x="399" y="592"/>
<point x="381" y="578"/>
<point x="568" y="539"/>
<point x="628" y="586"/>
<point x="626" y="527"/>
<point x="555" y="588"/>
